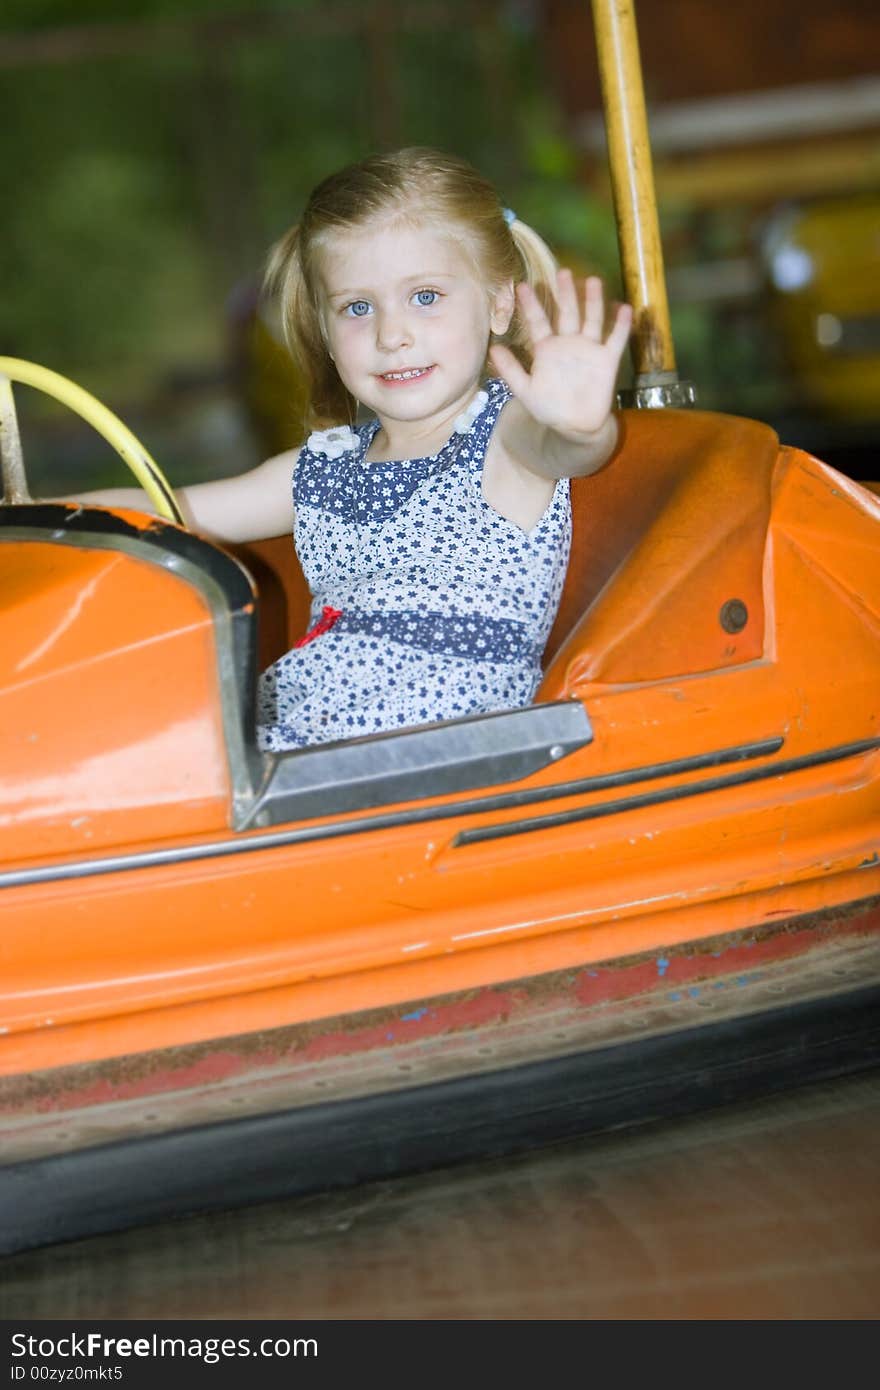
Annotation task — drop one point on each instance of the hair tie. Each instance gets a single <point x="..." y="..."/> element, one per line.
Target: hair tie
<point x="509" y="216"/>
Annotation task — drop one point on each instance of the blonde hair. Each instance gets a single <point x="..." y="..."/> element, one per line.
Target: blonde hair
<point x="420" y="186"/>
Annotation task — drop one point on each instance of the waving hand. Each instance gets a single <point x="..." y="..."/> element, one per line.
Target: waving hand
<point x="570" y="387"/>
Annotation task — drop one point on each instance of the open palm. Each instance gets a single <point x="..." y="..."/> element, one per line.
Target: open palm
<point x="570" y="387"/>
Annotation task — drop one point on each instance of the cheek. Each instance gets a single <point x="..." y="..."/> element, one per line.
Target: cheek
<point x="480" y="329"/>
<point x="345" y="338"/>
<point x="468" y="327"/>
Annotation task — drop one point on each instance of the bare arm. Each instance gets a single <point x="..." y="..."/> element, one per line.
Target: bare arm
<point x="248" y="507"/>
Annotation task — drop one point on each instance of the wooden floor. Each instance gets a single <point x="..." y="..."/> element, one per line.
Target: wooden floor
<point x="770" y="1210"/>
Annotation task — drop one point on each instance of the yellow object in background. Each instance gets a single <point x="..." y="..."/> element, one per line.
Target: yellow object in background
<point x="271" y="389"/>
<point x="824" y="263"/>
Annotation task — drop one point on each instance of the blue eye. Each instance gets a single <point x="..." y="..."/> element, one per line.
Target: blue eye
<point x="357" y="309"/>
<point x="425" y="298"/>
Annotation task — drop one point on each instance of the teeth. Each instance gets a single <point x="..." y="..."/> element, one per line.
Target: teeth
<point x="404" y="376"/>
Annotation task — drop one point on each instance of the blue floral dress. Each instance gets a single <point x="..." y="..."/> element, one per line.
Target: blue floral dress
<point x="427" y="604"/>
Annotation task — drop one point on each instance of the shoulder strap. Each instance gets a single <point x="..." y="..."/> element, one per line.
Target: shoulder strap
<point x="480" y="433"/>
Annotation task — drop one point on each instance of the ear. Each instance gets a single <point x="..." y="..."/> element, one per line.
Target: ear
<point x="501" y="309"/>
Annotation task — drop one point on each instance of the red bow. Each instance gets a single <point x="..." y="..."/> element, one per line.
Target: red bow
<point x="324" y="624"/>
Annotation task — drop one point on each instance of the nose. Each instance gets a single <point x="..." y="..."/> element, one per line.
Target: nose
<point x="392" y="331"/>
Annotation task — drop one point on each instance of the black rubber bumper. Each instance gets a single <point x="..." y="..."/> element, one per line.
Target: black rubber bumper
<point x="318" y="1148"/>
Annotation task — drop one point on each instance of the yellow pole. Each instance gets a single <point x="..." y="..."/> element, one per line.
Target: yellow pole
<point x="635" y="206"/>
<point x="130" y="449"/>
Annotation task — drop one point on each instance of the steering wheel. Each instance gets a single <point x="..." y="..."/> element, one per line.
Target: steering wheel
<point x="109" y="426"/>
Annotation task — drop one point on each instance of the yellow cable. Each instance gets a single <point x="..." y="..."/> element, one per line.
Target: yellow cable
<point x="108" y="425"/>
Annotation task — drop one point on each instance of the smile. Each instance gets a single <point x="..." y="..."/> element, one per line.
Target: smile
<point x="410" y="374"/>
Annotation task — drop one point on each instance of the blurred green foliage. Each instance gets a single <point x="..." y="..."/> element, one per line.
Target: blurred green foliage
<point x="145" y="187"/>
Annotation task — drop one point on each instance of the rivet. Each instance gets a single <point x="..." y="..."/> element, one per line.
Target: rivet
<point x="734" y="615"/>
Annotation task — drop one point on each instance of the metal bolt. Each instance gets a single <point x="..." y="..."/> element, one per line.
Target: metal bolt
<point x="734" y="615"/>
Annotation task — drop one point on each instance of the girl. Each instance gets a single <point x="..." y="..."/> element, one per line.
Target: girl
<point x="435" y="536"/>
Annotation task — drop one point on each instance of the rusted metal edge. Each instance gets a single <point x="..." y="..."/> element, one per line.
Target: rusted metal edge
<point x="808" y="954"/>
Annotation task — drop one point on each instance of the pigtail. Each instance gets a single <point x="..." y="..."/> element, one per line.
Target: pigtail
<point x="286" y="282"/>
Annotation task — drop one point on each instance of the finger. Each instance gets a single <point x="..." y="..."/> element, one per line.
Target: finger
<point x="594" y="309"/>
<point x="535" y="319"/>
<point x="569" y="319"/>
<point x="507" y="366"/>
<point x="621" y="329"/>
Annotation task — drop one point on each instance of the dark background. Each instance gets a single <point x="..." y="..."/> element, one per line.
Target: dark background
<point x="154" y="149"/>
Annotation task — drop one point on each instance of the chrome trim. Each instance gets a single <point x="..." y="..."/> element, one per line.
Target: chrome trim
<point x="671" y="395"/>
<point x="421" y="762"/>
<point x="181" y="854"/>
<point x="504" y="829"/>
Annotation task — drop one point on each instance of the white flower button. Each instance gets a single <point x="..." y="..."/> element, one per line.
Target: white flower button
<point x="332" y="443"/>
<point x="464" y="422"/>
